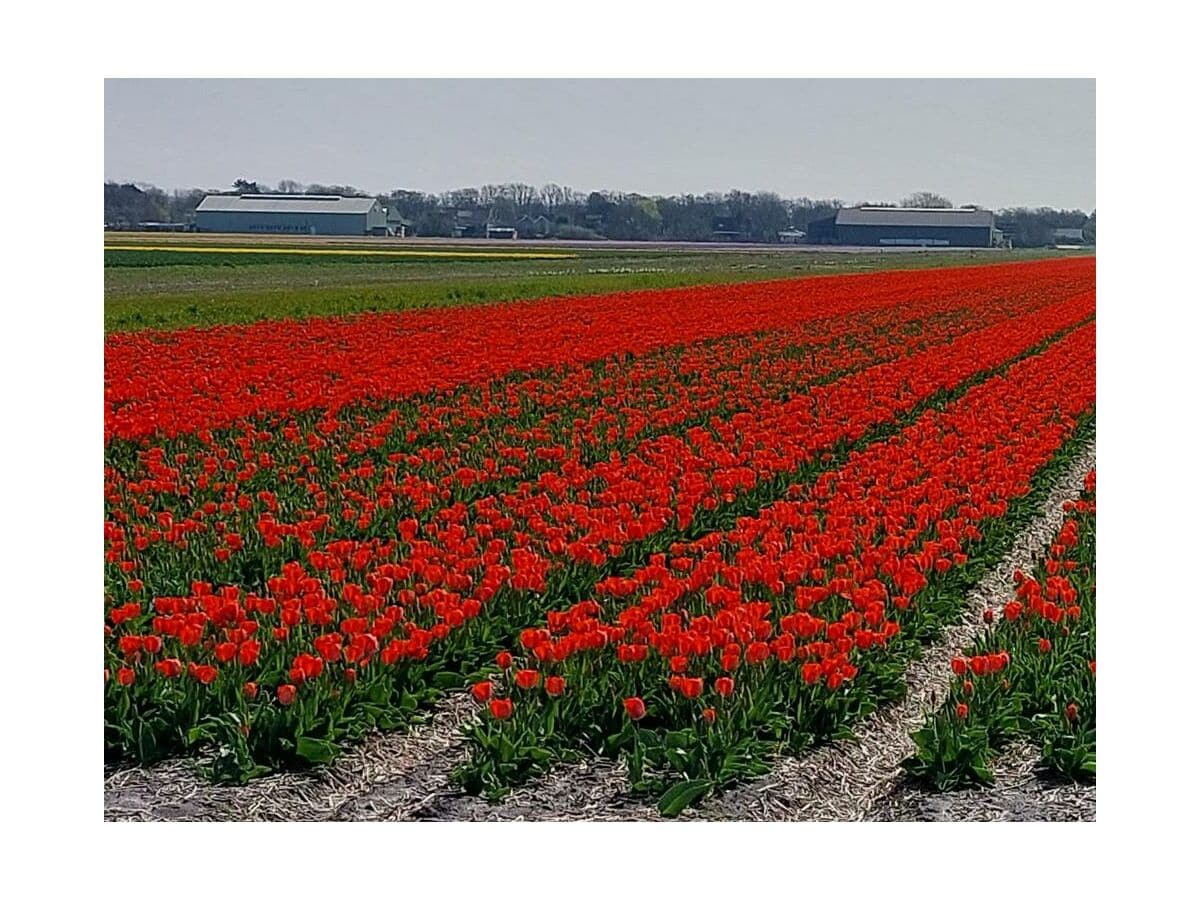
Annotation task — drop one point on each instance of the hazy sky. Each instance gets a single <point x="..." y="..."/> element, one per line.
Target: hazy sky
<point x="996" y="143"/>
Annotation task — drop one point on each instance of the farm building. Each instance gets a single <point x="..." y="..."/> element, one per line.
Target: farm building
<point x="887" y="226"/>
<point x="397" y="225"/>
<point x="1067" y="236"/>
<point x="290" y="214"/>
<point x="469" y="223"/>
<point x="533" y="227"/>
<point x="725" y="228"/>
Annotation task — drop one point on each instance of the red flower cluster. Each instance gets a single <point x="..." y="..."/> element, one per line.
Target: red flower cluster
<point x="803" y="595"/>
<point x="212" y="378"/>
<point x="1045" y="645"/>
<point x="321" y="518"/>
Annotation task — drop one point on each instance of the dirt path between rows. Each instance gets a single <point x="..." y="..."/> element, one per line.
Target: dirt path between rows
<point x="379" y="779"/>
<point x="1020" y="794"/>
<point x="406" y="776"/>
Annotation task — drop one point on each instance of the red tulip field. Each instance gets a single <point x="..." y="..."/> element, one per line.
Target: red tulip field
<point x="689" y="532"/>
<point x="1035" y="670"/>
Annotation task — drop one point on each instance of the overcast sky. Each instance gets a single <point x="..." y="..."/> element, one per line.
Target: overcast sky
<point x="996" y="143"/>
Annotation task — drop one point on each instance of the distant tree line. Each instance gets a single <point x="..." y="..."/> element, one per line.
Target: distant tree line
<point x="597" y="215"/>
<point x="1035" y="227"/>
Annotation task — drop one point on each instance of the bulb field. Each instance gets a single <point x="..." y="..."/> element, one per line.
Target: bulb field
<point x="688" y="531"/>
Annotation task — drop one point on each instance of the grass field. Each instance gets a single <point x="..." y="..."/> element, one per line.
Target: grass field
<point x="201" y="281"/>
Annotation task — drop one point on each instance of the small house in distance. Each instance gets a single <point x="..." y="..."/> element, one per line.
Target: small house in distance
<point x="397" y="225"/>
<point x="290" y="214"/>
<point x="1071" y="236"/>
<point x="791" y="236"/>
<point x="889" y="226"/>
<point x="500" y="226"/>
<point x="533" y="227"/>
<point x="470" y="223"/>
<point x="725" y="228"/>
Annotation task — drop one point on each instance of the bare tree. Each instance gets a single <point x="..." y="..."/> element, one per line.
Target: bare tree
<point x="523" y="196"/>
<point x="926" y="200"/>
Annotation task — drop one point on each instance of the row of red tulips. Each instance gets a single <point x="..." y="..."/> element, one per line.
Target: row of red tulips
<point x="216" y="377"/>
<point x="796" y="622"/>
<point x="1033" y="673"/>
<point x="280" y="491"/>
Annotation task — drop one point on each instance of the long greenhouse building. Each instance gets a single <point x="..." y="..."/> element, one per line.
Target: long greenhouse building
<point x="885" y="226"/>
<point x="290" y="214"/>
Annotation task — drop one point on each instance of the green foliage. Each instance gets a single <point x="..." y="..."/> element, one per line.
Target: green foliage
<point x="212" y="292"/>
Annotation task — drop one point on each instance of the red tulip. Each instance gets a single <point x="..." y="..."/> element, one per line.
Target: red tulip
<point x="286" y="693"/>
<point x="555" y="685"/>
<point x="501" y="709"/>
<point x="248" y="652"/>
<point x="635" y="708"/>
<point x="757" y="653"/>
<point x="527" y="678"/>
<point x="169" y="668"/>
<point x="225" y="651"/>
<point x="481" y="690"/>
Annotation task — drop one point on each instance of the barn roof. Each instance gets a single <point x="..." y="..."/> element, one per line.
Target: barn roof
<point x="285" y="203"/>
<point x="941" y="218"/>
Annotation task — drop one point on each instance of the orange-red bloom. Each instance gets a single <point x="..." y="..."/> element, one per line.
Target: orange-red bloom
<point x="481" y="690"/>
<point x="501" y="708"/>
<point x="527" y="678"/>
<point x="169" y="668"/>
